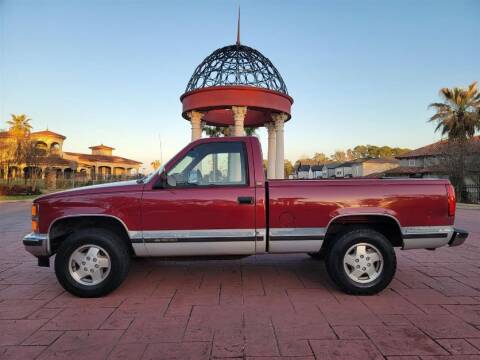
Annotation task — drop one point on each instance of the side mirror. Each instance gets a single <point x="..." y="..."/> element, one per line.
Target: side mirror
<point x="171" y="181"/>
<point x="165" y="181"/>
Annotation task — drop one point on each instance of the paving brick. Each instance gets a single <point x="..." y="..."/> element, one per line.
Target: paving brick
<point x="155" y="329"/>
<point x="426" y="297"/>
<point x="229" y="343"/>
<point x="345" y="349"/>
<point x="183" y="351"/>
<point x="83" y="344"/>
<point x="127" y="352"/>
<point x="443" y="326"/>
<point x="451" y="357"/>
<point x="353" y="313"/>
<point x="458" y="346"/>
<point x="20" y="352"/>
<point x="19" y="309"/>
<point x="43" y="337"/>
<point x="14" y="332"/>
<point x="296" y="326"/>
<point x="20" y="291"/>
<point x="402" y="340"/>
<point x="469" y="313"/>
<point x="389" y="302"/>
<point x="349" y="332"/>
<point x="204" y="321"/>
<point x="260" y="336"/>
<point x="84" y="318"/>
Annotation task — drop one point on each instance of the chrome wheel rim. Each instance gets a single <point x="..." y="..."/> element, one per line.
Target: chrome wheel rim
<point x="89" y="265"/>
<point x="363" y="263"/>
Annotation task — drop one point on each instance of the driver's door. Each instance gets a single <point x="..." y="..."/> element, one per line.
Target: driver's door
<point x="206" y="208"/>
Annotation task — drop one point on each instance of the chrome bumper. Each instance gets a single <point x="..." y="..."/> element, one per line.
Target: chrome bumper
<point x="458" y="238"/>
<point x="37" y="244"/>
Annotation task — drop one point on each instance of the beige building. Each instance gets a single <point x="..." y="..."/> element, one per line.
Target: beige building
<point x="99" y="164"/>
<point x="365" y="167"/>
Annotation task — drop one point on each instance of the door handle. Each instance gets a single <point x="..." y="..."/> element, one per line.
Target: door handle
<point x="245" y="200"/>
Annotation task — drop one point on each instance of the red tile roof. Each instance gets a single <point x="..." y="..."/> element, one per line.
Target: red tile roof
<point x="5" y="135"/>
<point x="103" y="158"/>
<point x="101" y="146"/>
<point x="410" y="170"/>
<point x="438" y="148"/>
<point x="48" y="133"/>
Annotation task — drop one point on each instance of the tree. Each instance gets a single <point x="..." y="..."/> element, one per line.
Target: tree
<point x="288" y="168"/>
<point x="155" y="164"/>
<point x="320" y="158"/>
<point x="33" y="157"/>
<point x="339" y="156"/>
<point x="19" y="128"/>
<point x="251" y="131"/>
<point x="7" y="157"/>
<point x="219" y="131"/>
<point x="458" y="117"/>
<point x="215" y="131"/>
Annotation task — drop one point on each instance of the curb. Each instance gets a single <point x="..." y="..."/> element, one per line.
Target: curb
<point x="468" y="206"/>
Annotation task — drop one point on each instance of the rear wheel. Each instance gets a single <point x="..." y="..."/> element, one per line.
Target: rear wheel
<point x="92" y="262"/>
<point x="361" y="261"/>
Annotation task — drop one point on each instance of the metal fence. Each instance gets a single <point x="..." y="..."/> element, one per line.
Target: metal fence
<point x="471" y="194"/>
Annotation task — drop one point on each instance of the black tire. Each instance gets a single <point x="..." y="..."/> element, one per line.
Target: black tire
<point x="339" y="247"/>
<point x="113" y="245"/>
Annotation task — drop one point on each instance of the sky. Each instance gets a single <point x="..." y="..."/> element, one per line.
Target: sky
<point x="112" y="72"/>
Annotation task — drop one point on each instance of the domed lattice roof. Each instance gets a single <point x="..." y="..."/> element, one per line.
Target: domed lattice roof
<point x="237" y="65"/>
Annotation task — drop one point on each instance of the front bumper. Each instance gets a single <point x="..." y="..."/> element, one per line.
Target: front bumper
<point x="458" y="238"/>
<point x="37" y="244"/>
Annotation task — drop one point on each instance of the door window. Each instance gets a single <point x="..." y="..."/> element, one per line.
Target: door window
<point x="213" y="164"/>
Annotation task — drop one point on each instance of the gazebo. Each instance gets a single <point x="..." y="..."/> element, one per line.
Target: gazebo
<point x="237" y="87"/>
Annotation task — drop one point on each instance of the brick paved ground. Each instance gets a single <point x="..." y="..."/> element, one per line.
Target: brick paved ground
<point x="266" y="307"/>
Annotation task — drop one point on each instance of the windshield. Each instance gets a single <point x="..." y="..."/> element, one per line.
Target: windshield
<point x="150" y="176"/>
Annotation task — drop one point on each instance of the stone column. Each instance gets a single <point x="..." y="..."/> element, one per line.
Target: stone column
<point x="279" y="120"/>
<point x="271" y="150"/>
<point x="239" y="113"/>
<point x="196" y="121"/>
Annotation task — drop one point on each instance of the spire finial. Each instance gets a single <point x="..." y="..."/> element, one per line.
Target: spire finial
<point x="238" y="27"/>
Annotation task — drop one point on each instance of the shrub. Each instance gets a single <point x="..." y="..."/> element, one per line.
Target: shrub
<point x="18" y="190"/>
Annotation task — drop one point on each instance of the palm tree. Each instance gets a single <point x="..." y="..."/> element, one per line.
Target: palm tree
<point x="459" y="115"/>
<point x="215" y="131"/>
<point x="19" y="126"/>
<point x="155" y="164"/>
<point x="251" y="131"/>
<point x="218" y="131"/>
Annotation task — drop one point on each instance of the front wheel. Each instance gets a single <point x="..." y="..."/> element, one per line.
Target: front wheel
<point x="361" y="262"/>
<point x="92" y="262"/>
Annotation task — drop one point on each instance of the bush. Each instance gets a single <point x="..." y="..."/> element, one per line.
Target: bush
<point x="18" y="190"/>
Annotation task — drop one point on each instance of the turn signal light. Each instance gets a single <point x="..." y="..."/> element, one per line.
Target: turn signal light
<point x="35" y="227"/>
<point x="451" y="200"/>
<point x="34" y="210"/>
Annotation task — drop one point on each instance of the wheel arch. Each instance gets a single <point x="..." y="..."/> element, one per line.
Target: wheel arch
<point x="63" y="226"/>
<point x="386" y="224"/>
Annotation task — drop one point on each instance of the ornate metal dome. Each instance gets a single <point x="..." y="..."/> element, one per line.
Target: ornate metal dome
<point x="237" y="65"/>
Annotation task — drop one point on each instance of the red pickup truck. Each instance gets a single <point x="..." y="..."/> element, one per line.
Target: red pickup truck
<point x="213" y="199"/>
